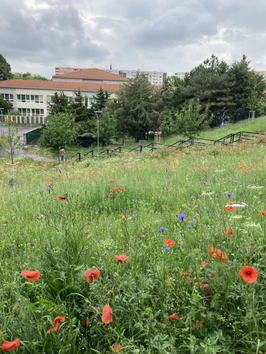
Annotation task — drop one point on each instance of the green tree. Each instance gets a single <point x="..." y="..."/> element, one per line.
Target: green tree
<point x="10" y="141"/>
<point x="245" y="85"/>
<point x="58" y="104"/>
<point x="5" y="105"/>
<point x="27" y="76"/>
<point x="5" y="69"/>
<point x="261" y="106"/>
<point x="191" y="120"/>
<point x="100" y="100"/>
<point x="120" y="111"/>
<point x="210" y="83"/>
<point x="59" y="132"/>
<point x="167" y="123"/>
<point x="78" y="107"/>
<point x="84" y="117"/>
<point x="138" y="108"/>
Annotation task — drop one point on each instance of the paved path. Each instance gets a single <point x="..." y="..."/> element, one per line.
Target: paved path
<point x="23" y="153"/>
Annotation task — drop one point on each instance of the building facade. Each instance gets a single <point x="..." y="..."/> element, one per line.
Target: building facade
<point x="32" y="97"/>
<point x="180" y="75"/>
<point x="154" y="77"/>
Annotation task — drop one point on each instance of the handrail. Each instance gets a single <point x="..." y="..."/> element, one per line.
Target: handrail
<point x="227" y="139"/>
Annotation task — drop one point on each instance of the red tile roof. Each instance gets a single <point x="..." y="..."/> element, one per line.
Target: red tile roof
<point x="91" y="74"/>
<point x="59" y="85"/>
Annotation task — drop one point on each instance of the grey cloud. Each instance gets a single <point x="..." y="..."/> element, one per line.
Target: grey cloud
<point x="46" y="35"/>
<point x="175" y="26"/>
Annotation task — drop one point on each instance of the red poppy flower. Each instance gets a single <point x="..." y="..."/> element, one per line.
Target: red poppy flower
<point x="190" y="279"/>
<point x="229" y="207"/>
<point x="121" y="258"/>
<point x="263" y="213"/>
<point x="111" y="181"/>
<point x="212" y="252"/>
<point x="91" y="275"/>
<point x="248" y="274"/>
<point x="186" y="272"/>
<point x="57" y="321"/>
<point x="221" y="256"/>
<point x="9" y="346"/>
<point x="116" y="347"/>
<point x="174" y="316"/>
<point x="61" y="198"/>
<point x="203" y="264"/>
<point x="31" y="275"/>
<point x="229" y="231"/>
<point x="107" y="314"/>
<point x="205" y="288"/>
<point x="168" y="242"/>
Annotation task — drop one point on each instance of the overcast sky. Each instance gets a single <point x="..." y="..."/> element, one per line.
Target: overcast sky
<point x="160" y="35"/>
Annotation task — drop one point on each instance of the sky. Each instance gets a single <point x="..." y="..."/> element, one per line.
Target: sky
<point x="159" y="35"/>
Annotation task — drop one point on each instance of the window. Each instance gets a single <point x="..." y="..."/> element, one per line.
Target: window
<point x="30" y="98"/>
<point x="8" y="96"/>
<point x="31" y="111"/>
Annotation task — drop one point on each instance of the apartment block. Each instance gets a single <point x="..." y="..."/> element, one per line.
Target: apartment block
<point x="154" y="77"/>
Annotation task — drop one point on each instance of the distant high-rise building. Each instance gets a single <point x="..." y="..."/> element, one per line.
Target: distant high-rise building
<point x="154" y="77"/>
<point x="262" y="72"/>
<point x="181" y="75"/>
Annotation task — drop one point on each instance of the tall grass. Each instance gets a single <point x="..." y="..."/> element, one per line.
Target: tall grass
<point x="132" y="206"/>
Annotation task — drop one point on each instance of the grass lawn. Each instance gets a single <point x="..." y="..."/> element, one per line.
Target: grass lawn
<point x="157" y="253"/>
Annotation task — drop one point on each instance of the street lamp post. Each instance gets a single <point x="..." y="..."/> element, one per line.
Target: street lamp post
<point x="98" y="113"/>
<point x="1" y="115"/>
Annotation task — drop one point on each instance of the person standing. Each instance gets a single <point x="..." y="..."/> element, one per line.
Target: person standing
<point x="62" y="155"/>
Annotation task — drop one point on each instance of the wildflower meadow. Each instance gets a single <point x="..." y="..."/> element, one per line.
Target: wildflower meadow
<point x="152" y="253"/>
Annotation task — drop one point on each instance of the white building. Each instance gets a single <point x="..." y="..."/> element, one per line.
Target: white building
<point x="181" y="75"/>
<point x="154" y="77"/>
<point x="31" y="97"/>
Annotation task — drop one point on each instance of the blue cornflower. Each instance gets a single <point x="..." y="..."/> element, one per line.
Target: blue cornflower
<point x="162" y="229"/>
<point x="192" y="197"/>
<point x="189" y="227"/>
<point x="166" y="249"/>
<point x="229" y="195"/>
<point x="181" y="217"/>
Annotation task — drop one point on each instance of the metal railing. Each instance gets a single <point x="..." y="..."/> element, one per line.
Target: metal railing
<point x="178" y="145"/>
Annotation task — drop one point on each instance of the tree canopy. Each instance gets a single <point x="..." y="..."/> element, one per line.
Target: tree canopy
<point x="5" y="105"/>
<point x="60" y="131"/>
<point x="5" y="69"/>
<point x="28" y="76"/>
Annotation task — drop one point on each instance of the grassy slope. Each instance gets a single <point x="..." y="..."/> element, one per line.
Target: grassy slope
<point x="257" y="125"/>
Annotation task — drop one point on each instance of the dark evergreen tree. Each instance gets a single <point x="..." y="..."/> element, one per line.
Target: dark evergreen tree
<point x="245" y="84"/>
<point x="58" y="104"/>
<point x="209" y="82"/>
<point x="139" y="107"/>
<point x="100" y="100"/>
<point x="78" y="107"/>
<point x="5" y="69"/>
